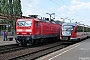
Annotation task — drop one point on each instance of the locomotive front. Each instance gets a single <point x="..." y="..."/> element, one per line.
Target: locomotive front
<point x="67" y="30"/>
<point x="23" y="31"/>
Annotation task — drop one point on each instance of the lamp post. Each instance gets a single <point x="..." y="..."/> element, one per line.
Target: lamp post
<point x="79" y="22"/>
<point x="51" y="15"/>
<point x="64" y="19"/>
<point x="70" y="20"/>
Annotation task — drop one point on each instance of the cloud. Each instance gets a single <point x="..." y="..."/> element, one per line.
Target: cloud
<point x="30" y="7"/>
<point x="77" y="10"/>
<point x="75" y="2"/>
<point x="31" y="3"/>
<point x="75" y="7"/>
<point x="80" y="6"/>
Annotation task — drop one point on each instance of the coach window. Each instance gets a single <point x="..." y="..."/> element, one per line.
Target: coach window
<point x="36" y="23"/>
<point x="79" y="29"/>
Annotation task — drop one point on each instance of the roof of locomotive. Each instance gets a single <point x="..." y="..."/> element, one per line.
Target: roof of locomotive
<point x="73" y="24"/>
<point x="43" y="20"/>
<point x="28" y="19"/>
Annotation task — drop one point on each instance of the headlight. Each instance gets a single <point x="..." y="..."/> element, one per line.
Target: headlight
<point x="17" y="33"/>
<point x="28" y="30"/>
<point x="30" y="33"/>
<point x="19" y="30"/>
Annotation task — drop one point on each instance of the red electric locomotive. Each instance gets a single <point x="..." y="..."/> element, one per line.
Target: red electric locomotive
<point x="32" y="30"/>
<point x="74" y="32"/>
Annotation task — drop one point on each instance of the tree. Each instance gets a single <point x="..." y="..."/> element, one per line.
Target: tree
<point x="4" y="6"/>
<point x="12" y="8"/>
<point x="17" y="7"/>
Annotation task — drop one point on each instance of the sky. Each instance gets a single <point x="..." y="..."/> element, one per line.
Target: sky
<point x="74" y="10"/>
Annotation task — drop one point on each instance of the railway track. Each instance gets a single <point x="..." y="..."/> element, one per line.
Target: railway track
<point x="10" y="48"/>
<point x="37" y="54"/>
<point x="32" y="53"/>
<point x="20" y="52"/>
<point x="41" y="51"/>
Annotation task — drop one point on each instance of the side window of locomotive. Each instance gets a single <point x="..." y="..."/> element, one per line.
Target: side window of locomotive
<point x="36" y="23"/>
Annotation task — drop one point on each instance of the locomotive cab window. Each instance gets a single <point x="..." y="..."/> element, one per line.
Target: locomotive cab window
<point x="36" y="23"/>
<point x="20" y="23"/>
<point x="24" y="23"/>
<point x="28" y="23"/>
<point x="67" y="27"/>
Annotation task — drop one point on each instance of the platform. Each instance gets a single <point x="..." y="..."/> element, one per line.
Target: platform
<point x="78" y="51"/>
<point x="6" y="42"/>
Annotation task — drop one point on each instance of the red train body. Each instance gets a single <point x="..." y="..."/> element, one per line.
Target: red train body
<point x="33" y="30"/>
<point x="74" y="32"/>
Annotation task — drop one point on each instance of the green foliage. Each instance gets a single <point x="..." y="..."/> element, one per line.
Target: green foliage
<point x="12" y="7"/>
<point x="17" y="7"/>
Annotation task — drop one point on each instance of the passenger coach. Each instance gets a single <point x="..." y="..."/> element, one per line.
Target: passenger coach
<point x="74" y="32"/>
